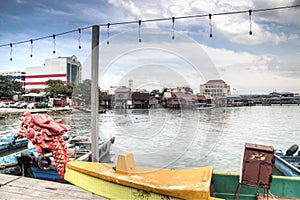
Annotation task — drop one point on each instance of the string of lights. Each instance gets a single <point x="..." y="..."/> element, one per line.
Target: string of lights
<point x="139" y="22"/>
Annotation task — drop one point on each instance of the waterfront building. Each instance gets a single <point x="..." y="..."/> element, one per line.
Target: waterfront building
<point x="121" y="99"/>
<point x="67" y="69"/>
<point x="154" y="101"/>
<point x="184" y="100"/>
<point x="176" y="99"/>
<point x="16" y="75"/>
<point x="112" y="90"/>
<point x="140" y="99"/>
<point x="215" y="89"/>
<point x="106" y="100"/>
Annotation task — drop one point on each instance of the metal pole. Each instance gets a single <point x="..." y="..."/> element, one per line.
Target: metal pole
<point x="95" y="93"/>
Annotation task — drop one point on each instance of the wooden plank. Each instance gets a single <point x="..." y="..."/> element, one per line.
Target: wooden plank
<point x="6" y="179"/>
<point x="14" y="187"/>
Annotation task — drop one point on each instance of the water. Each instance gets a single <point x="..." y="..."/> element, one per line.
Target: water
<point x="187" y="138"/>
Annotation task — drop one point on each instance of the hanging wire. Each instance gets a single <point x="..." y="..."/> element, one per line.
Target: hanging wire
<point x="210" y="25"/>
<point x="10" y="54"/>
<point x="173" y="28"/>
<point x="250" y="22"/>
<point x="79" y="37"/>
<point x="31" y="50"/>
<point x="108" y="24"/>
<point x="53" y="43"/>
<point x="160" y="19"/>
<point x="140" y="23"/>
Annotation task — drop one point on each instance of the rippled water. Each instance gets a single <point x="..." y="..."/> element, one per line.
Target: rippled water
<point x="187" y="138"/>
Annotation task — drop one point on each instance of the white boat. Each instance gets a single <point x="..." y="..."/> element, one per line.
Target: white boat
<point x="204" y="106"/>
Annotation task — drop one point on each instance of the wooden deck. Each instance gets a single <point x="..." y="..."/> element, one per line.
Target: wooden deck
<point x="17" y="187"/>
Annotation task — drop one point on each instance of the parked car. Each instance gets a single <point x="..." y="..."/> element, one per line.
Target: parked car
<point x="6" y="104"/>
<point x="37" y="105"/>
<point x="15" y="105"/>
<point x="31" y="105"/>
<point x="2" y="105"/>
<point x="42" y="105"/>
<point x="23" y="105"/>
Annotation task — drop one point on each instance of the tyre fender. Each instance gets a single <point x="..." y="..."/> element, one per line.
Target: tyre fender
<point x="293" y="149"/>
<point x="44" y="162"/>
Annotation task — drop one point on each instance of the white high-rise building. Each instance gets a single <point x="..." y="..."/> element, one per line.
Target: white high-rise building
<point x="67" y="69"/>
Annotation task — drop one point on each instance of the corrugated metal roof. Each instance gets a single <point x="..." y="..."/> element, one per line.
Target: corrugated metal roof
<point x="140" y="96"/>
<point x="187" y="97"/>
<point x="122" y="90"/>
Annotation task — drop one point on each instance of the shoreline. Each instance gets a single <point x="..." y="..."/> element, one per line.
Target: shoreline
<point x="5" y="112"/>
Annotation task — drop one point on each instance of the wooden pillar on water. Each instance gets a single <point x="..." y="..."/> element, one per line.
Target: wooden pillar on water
<point x="95" y="93"/>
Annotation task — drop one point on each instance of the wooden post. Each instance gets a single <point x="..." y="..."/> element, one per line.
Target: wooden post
<point x="95" y="93"/>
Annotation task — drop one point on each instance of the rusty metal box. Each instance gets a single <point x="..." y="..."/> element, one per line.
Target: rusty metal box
<point x="257" y="165"/>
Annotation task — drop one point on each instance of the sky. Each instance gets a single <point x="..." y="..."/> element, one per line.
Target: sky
<point x="266" y="61"/>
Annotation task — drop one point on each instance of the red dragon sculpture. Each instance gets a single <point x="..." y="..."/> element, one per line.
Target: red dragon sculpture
<point x="46" y="134"/>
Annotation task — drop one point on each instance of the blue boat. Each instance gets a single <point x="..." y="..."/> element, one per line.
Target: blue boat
<point x="31" y="164"/>
<point x="289" y="163"/>
<point x="12" y="142"/>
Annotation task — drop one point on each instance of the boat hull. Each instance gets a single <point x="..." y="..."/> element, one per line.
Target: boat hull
<point x="51" y="172"/>
<point x="102" y="180"/>
<point x="149" y="183"/>
<point x="11" y="164"/>
<point x="226" y="184"/>
<point x="283" y="166"/>
<point x="9" y="144"/>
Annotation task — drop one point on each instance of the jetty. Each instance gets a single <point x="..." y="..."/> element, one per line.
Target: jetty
<point x="18" y="187"/>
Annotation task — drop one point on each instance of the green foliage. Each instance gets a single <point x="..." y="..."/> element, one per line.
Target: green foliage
<point x="155" y="92"/>
<point x="9" y="88"/>
<point x="83" y="91"/>
<point x="189" y="90"/>
<point x="34" y="91"/>
<point x="57" y="87"/>
<point x="69" y="89"/>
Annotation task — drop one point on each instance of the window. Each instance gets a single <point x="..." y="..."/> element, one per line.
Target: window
<point x="74" y="74"/>
<point x="68" y="73"/>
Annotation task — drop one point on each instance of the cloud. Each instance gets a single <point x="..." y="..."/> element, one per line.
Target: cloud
<point x="236" y="27"/>
<point x="128" y="5"/>
<point x="279" y="16"/>
<point x="228" y="60"/>
<point x="287" y="65"/>
<point x="156" y="60"/>
<point x="52" y="11"/>
<point x="257" y="73"/>
<point x="271" y="51"/>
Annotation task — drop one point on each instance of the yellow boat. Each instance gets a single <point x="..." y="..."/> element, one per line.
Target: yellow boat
<point x="127" y="181"/>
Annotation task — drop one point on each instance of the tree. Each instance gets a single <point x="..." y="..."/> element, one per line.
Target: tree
<point x="9" y="88"/>
<point x="34" y="91"/>
<point x="189" y="90"/>
<point x="155" y="92"/>
<point x="57" y="87"/>
<point x="69" y="89"/>
<point x="83" y="91"/>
